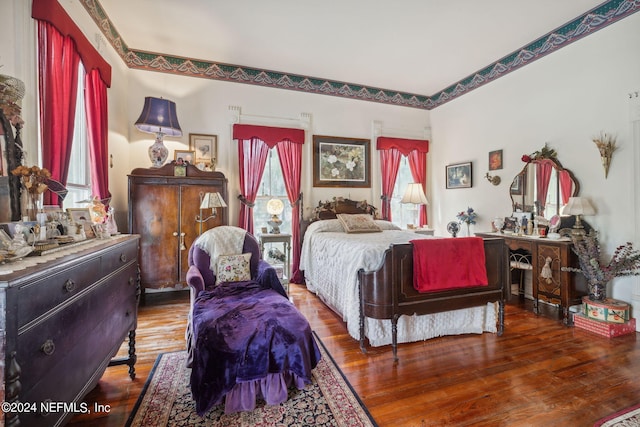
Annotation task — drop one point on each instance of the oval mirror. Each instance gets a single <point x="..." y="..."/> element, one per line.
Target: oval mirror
<point x="543" y="186"/>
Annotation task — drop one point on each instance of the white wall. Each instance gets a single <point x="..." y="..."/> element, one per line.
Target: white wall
<point x="564" y="99"/>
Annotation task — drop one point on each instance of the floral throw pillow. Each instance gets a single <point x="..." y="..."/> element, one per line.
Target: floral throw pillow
<point x="358" y="223"/>
<point x="233" y="268"/>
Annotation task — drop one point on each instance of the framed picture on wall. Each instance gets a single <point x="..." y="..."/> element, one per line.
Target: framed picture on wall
<point x="495" y="160"/>
<point x="341" y="162"/>
<point x="459" y="175"/>
<point x="206" y="149"/>
<point x="184" y="156"/>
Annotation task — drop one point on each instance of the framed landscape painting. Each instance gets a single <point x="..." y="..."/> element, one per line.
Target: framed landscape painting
<point x="459" y="175"/>
<point x="341" y="162"/>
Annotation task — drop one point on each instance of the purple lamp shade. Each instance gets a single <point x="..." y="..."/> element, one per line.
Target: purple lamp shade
<point x="159" y="116"/>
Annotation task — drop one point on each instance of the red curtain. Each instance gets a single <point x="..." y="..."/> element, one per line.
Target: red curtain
<point x="416" y="150"/>
<point x="566" y="186"/>
<point x="58" y="83"/>
<point x="290" y="154"/>
<point x="418" y="166"/>
<point x="543" y="176"/>
<point x="252" y="155"/>
<point x="269" y="135"/>
<point x="95" y="98"/>
<point x="389" y="165"/>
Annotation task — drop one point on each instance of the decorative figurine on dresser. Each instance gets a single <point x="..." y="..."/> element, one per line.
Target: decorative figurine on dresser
<point x="166" y="209"/>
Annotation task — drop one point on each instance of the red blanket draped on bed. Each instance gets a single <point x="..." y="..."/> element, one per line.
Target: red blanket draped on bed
<point x="440" y="264"/>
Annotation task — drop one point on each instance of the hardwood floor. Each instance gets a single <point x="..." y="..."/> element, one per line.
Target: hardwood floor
<point x="539" y="373"/>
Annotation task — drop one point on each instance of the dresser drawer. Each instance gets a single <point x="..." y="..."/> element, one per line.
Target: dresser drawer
<point x="42" y="295"/>
<point x="97" y="319"/>
<point x="119" y="256"/>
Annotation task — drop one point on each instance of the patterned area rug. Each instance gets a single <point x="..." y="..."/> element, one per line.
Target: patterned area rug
<point x="629" y="417"/>
<point x="328" y="401"/>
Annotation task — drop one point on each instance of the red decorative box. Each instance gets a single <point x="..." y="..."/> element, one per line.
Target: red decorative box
<point x="606" y="329"/>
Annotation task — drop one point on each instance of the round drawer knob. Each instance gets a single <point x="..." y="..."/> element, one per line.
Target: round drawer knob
<point x="48" y="347"/>
<point x="123" y="257"/>
<point x="70" y="285"/>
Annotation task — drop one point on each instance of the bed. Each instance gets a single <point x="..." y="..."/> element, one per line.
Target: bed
<point x="367" y="278"/>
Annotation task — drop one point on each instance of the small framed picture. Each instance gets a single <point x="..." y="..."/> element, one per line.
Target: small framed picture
<point x="459" y="175"/>
<point x="79" y="215"/>
<point x="184" y="156"/>
<point x="205" y="148"/>
<point x="180" y="170"/>
<point x="495" y="160"/>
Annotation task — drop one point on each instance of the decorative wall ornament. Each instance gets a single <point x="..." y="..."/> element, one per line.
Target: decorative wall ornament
<point x="606" y="145"/>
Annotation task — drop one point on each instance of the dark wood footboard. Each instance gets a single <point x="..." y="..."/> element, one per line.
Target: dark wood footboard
<point x="388" y="292"/>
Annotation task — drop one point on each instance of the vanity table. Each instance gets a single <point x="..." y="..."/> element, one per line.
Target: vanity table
<point x="550" y="283"/>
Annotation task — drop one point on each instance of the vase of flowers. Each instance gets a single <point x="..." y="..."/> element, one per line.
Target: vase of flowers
<point x="34" y="182"/>
<point x="624" y="262"/>
<point x="467" y="217"/>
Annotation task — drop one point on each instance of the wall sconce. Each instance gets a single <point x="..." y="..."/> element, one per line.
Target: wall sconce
<point x="606" y="145"/>
<point x="209" y="201"/>
<point x="275" y="208"/>
<point x="495" y="179"/>
<point x="159" y="116"/>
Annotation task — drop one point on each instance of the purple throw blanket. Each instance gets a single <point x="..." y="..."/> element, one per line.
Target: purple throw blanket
<point x="247" y="337"/>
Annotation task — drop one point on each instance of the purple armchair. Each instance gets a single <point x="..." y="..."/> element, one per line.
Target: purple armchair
<point x="244" y="339"/>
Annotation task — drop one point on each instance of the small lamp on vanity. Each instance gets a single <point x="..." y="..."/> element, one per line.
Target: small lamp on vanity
<point x="209" y="201"/>
<point x="414" y="194"/>
<point x="159" y="116"/>
<point x="578" y="206"/>
<point x="275" y="208"/>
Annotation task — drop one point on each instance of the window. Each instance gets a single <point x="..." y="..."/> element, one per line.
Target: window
<point x="403" y="213"/>
<point x="79" y="178"/>
<point x="271" y="187"/>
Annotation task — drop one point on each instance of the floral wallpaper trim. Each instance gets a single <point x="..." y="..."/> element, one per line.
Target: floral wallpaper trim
<point x="587" y="23"/>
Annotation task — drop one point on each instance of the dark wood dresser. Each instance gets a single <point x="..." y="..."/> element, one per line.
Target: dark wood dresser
<point x="62" y="322"/>
<point x="163" y="210"/>
<point x="550" y="283"/>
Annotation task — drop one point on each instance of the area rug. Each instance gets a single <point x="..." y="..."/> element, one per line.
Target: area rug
<point x="328" y="401"/>
<point x="626" y="418"/>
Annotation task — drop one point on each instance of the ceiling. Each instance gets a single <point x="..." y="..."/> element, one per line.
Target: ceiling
<point x="413" y="46"/>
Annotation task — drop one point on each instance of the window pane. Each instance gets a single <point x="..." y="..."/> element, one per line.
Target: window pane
<point x="271" y="187"/>
<point x="79" y="178"/>
<point x="403" y="213"/>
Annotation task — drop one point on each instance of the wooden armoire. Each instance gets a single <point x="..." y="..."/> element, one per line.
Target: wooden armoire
<point x="163" y="210"/>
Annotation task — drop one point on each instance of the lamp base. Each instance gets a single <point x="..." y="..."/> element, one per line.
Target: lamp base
<point x="158" y="153"/>
<point x="275" y="225"/>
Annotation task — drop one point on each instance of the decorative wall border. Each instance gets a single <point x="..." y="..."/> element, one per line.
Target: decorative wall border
<point x="597" y="18"/>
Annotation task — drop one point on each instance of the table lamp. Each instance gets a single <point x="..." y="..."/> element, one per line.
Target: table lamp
<point x="209" y="201"/>
<point x="159" y="116"/>
<point x="275" y="208"/>
<point x="414" y="194"/>
<point x="578" y="206"/>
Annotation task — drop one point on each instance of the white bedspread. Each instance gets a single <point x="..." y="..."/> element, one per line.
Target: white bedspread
<point x="331" y="259"/>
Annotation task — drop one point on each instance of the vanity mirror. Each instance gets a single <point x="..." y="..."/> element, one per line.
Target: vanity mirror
<point x="543" y="186"/>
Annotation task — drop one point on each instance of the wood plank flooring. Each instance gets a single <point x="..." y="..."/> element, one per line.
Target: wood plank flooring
<point x="539" y="373"/>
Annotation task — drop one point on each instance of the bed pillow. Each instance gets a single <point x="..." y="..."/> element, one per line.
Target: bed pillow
<point x="386" y="225"/>
<point x="233" y="268"/>
<point x="333" y="225"/>
<point x="358" y="223"/>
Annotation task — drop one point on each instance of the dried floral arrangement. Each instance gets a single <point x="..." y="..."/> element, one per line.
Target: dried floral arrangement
<point x="606" y="144"/>
<point x="33" y="178"/>
<point x="624" y="262"/>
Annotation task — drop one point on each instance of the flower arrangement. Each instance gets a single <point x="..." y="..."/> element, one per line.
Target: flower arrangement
<point x="606" y="145"/>
<point x="468" y="217"/>
<point x="33" y="178"/>
<point x="276" y="254"/>
<point x="545" y="153"/>
<point x="624" y="262"/>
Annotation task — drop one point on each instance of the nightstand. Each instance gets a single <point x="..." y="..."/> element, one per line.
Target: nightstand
<point x="285" y="240"/>
<point x="425" y="231"/>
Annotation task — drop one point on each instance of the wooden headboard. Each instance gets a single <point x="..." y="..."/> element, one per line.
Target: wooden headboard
<point x="330" y="210"/>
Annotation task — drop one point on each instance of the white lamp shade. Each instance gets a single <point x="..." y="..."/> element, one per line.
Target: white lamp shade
<point x="578" y="206"/>
<point x="414" y="194"/>
<point x="275" y="206"/>
<point x="212" y="200"/>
